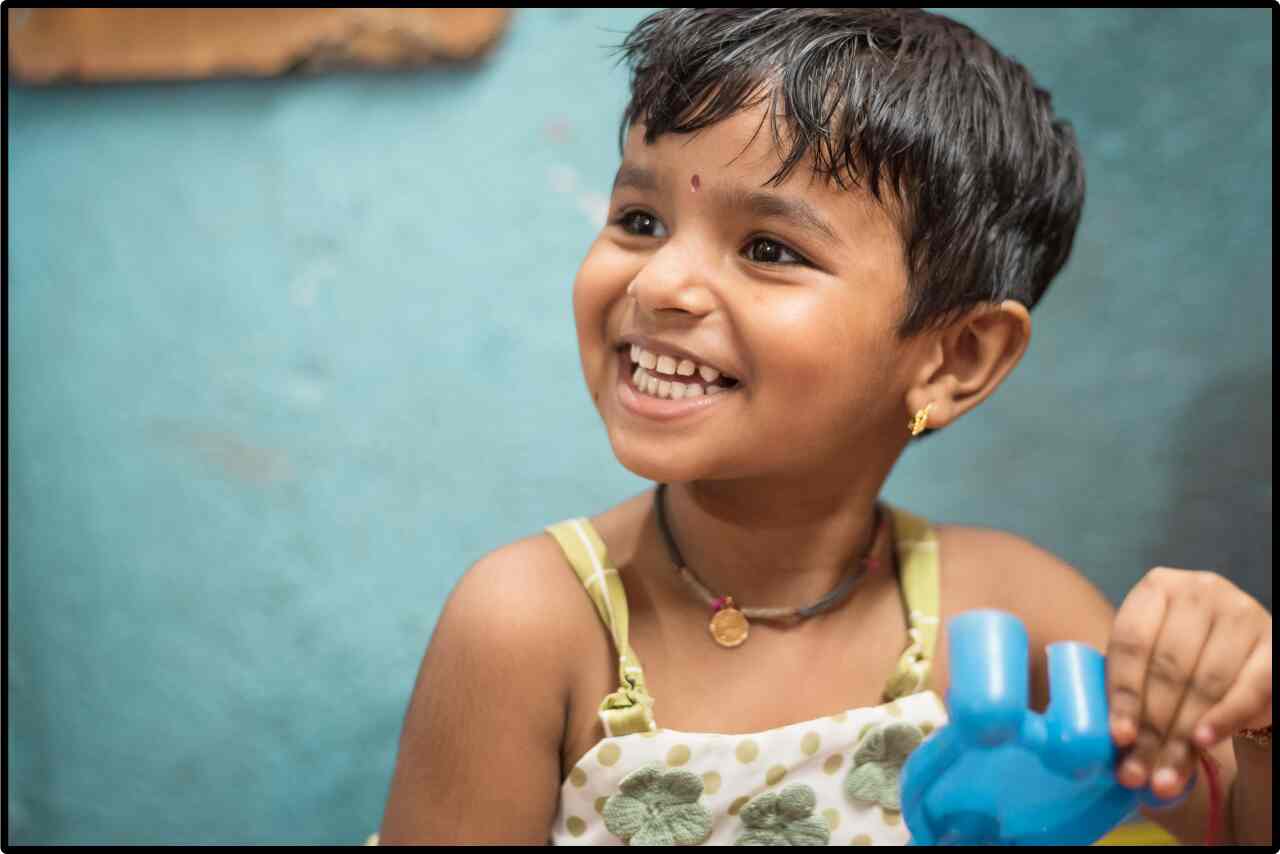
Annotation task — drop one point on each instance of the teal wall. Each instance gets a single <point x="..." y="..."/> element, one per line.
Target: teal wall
<point x="280" y="360"/>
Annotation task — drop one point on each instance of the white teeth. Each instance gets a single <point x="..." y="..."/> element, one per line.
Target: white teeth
<point x="672" y="366"/>
<point x="668" y="368"/>
<point x="651" y="385"/>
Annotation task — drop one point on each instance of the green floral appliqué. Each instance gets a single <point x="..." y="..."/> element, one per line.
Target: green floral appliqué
<point x="658" y="806"/>
<point x="878" y="761"/>
<point x="784" y="818"/>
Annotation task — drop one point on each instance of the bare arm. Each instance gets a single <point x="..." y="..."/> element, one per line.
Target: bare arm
<point x="479" y="757"/>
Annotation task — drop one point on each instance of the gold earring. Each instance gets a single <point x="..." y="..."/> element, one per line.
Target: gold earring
<point x="918" y="423"/>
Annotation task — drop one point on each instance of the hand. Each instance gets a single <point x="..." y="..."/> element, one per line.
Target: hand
<point x="1188" y="664"/>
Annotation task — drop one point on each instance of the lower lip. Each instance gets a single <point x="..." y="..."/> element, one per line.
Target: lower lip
<point x="648" y="406"/>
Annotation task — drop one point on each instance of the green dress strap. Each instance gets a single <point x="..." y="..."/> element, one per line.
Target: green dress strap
<point x="916" y="544"/>
<point x="630" y="708"/>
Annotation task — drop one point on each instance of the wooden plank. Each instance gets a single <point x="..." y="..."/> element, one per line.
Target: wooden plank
<point x="50" y="45"/>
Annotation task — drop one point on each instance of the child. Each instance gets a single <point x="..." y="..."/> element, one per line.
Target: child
<point x="824" y="240"/>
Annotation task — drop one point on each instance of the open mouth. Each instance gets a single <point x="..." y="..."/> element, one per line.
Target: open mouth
<point x="668" y="378"/>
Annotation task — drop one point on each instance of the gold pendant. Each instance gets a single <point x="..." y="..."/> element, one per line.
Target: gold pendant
<point x="729" y="626"/>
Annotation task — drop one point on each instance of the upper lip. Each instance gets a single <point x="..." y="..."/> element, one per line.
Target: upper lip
<point x="663" y="348"/>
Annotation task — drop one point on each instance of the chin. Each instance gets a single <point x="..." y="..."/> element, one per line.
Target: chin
<point x="647" y="459"/>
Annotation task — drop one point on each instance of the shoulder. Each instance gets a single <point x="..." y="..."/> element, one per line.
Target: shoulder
<point x="534" y="565"/>
<point x="526" y="592"/>
<point x="988" y="568"/>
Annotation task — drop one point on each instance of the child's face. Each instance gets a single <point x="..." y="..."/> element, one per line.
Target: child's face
<point x="742" y="277"/>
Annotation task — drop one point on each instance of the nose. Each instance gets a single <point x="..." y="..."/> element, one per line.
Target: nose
<point x="674" y="279"/>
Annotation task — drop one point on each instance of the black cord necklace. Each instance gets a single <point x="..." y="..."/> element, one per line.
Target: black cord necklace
<point x="729" y="625"/>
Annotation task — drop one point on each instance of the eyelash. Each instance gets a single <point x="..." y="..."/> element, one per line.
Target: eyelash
<point x="625" y="217"/>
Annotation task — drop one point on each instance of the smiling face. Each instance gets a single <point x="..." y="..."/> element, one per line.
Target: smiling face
<point x="792" y="290"/>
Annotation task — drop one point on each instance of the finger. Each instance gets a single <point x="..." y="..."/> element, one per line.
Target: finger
<point x="1186" y="626"/>
<point x="1133" y="634"/>
<point x="1133" y="771"/>
<point x="1248" y="702"/>
<point x="1227" y="647"/>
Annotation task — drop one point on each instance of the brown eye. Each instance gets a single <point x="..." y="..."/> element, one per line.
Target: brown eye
<point x="640" y="223"/>
<point x="765" y="251"/>
<point x="762" y="250"/>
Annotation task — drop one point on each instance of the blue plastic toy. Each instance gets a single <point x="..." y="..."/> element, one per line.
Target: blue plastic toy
<point x="1001" y="774"/>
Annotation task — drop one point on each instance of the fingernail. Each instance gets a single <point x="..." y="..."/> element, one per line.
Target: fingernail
<point x="1133" y="772"/>
<point x="1165" y="778"/>
<point x="1121" y="728"/>
<point x="1204" y="734"/>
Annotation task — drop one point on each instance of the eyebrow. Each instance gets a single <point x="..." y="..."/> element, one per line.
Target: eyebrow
<point x="797" y="212"/>
<point x="635" y="177"/>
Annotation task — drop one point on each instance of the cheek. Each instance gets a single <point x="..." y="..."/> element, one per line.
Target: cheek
<point x="590" y="297"/>
<point x="601" y="281"/>
<point x="599" y="291"/>
<point x="824" y="341"/>
<point x="836" y="369"/>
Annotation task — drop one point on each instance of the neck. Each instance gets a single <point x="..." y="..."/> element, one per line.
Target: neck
<point x="773" y="544"/>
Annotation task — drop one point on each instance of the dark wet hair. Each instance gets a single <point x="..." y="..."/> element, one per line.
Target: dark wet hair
<point x="987" y="186"/>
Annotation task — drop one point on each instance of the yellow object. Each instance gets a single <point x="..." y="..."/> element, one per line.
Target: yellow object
<point x="1138" y="833"/>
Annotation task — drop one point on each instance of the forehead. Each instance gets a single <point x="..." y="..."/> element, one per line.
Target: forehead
<point x="741" y="151"/>
<point x="742" y="143"/>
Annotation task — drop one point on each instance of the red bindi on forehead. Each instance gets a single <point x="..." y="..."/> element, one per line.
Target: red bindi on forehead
<point x="695" y="183"/>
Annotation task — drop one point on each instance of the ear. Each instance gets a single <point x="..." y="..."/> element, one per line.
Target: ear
<point x="968" y="359"/>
